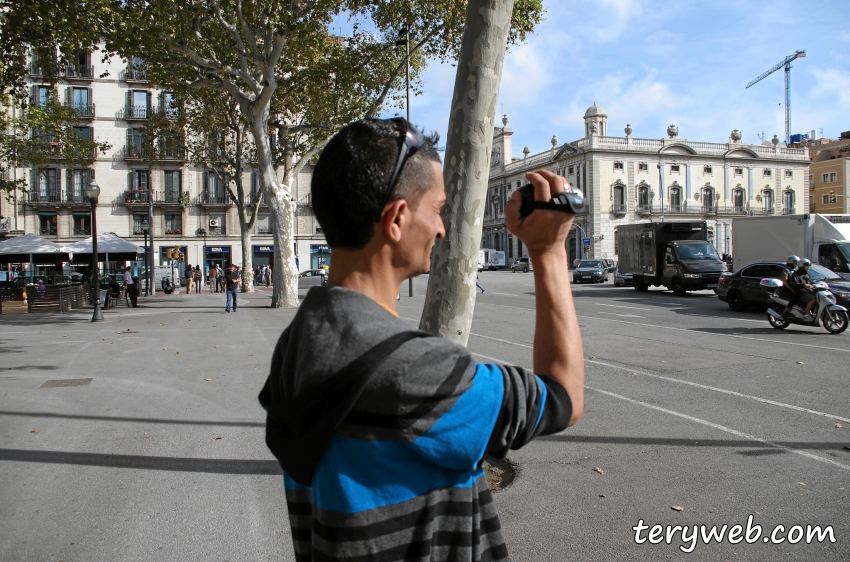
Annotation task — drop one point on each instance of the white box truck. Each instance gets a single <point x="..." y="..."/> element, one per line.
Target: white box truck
<point x="824" y="239"/>
<point x="492" y="259"/>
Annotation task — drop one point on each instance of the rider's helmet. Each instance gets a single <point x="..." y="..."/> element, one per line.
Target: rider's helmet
<point x="792" y="261"/>
<point x="804" y="263"/>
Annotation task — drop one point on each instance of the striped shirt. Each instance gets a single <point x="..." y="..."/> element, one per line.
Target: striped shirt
<point x="400" y="477"/>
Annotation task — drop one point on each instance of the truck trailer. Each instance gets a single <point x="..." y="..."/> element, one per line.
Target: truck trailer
<point x="824" y="239"/>
<point x="676" y="255"/>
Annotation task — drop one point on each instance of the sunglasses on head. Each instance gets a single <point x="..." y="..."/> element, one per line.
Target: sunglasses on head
<point x="413" y="141"/>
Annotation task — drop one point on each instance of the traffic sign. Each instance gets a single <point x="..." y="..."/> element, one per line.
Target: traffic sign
<point x="585" y="241"/>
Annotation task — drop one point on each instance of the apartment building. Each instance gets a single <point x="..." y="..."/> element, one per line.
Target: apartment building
<point x="829" y="175"/>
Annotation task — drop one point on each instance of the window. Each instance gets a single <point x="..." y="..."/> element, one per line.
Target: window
<point x="675" y="199"/>
<point x="570" y="171"/>
<point x="788" y="202"/>
<point x="217" y="224"/>
<point x="826" y="199"/>
<point x="675" y="168"/>
<point x="643" y="196"/>
<point x="47" y="185"/>
<point x="789" y="174"/>
<point x="214" y="190"/>
<point x="755" y="272"/>
<point x="739" y="171"/>
<point x="767" y="173"/>
<point x="832" y="176"/>
<point x="135" y="143"/>
<point x="738" y="200"/>
<point x="618" y="165"/>
<point x="85" y="133"/>
<point x="619" y="195"/>
<point x="138" y="219"/>
<point x="77" y="182"/>
<point x="825" y="178"/>
<point x="510" y="246"/>
<point x="264" y="225"/>
<point x="767" y="200"/>
<point x="82" y="224"/>
<point x="47" y="224"/>
<point x="138" y="104"/>
<point x="708" y="200"/>
<point x="518" y="183"/>
<point x="140" y="180"/>
<point x="172" y="185"/>
<point x="174" y="223"/>
<point x="707" y="170"/>
<point x="41" y="95"/>
<point x="643" y="167"/>
<point x="169" y="104"/>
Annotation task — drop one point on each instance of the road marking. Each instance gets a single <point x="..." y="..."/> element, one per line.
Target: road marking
<point x="721" y="390"/>
<point x="698" y="331"/>
<point x="735" y="432"/>
<point x="725" y="318"/>
<point x="508" y="306"/>
<point x="505" y="294"/>
<point x="622" y="315"/>
<point x="622" y="306"/>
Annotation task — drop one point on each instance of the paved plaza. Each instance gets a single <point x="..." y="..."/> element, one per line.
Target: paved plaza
<point x="694" y="416"/>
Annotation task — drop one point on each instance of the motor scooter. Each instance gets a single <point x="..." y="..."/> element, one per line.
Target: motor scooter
<point x="832" y="316"/>
<point x="167" y="285"/>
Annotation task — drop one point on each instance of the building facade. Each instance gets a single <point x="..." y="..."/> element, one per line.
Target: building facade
<point x="829" y="176"/>
<point x="628" y="180"/>
<point x="191" y="211"/>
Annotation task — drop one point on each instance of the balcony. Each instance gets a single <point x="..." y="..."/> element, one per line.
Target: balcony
<point x="83" y="110"/>
<point x="142" y="198"/>
<point x="5" y="224"/>
<point x="34" y="69"/>
<point x="47" y="230"/>
<point x="619" y="210"/>
<point x="132" y="74"/>
<point x="136" y="112"/>
<point x="788" y="211"/>
<point x="215" y="199"/>
<point x="51" y="197"/>
<point x="134" y="152"/>
<point x="82" y="231"/>
<point x="729" y="210"/>
<point x="264" y="230"/>
<point x="79" y="72"/>
<point x="762" y="211"/>
<point x="644" y="210"/>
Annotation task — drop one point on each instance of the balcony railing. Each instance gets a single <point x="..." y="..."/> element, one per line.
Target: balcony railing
<point x="47" y="230"/>
<point x="51" y="196"/>
<point x="619" y="209"/>
<point x="763" y="211"/>
<point x="76" y="197"/>
<point x="132" y="74"/>
<point x="82" y="231"/>
<point x="264" y="230"/>
<point x="82" y="109"/>
<point x="215" y="198"/>
<point x="79" y="71"/>
<point x="788" y="211"/>
<point x="34" y="69"/>
<point x="644" y="209"/>
<point x="136" y="112"/>
<point x="143" y="196"/>
<point x="136" y="152"/>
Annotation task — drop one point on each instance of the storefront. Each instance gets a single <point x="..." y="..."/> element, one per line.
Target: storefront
<point x="320" y="256"/>
<point x="264" y="255"/>
<point x="218" y="255"/>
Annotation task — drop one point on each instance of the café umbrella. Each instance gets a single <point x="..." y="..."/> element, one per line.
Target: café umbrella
<point x="109" y="247"/>
<point x="31" y="249"/>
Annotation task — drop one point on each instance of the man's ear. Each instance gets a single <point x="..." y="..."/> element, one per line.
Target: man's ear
<point x="394" y="219"/>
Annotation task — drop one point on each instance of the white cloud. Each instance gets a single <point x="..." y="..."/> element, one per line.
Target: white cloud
<point x="831" y="82"/>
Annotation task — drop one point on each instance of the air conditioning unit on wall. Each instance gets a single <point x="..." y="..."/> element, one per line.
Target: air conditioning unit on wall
<point x="214" y="223"/>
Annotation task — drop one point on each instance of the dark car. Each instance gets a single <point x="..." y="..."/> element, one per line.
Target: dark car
<point x="621" y="279"/>
<point x="590" y="271"/>
<point x="741" y="289"/>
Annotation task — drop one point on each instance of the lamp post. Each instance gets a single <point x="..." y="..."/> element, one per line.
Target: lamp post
<point x="203" y="232"/>
<point x="93" y="192"/>
<point x="406" y="42"/>
<point x="145" y="227"/>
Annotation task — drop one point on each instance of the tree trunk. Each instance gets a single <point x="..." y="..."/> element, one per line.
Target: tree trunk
<point x="247" y="261"/>
<point x="450" y="299"/>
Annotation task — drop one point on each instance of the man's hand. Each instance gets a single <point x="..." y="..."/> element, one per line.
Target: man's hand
<point x="542" y="231"/>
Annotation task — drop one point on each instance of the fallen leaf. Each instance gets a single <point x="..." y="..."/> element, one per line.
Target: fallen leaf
<point x="64" y="336"/>
<point x="593" y="357"/>
<point x="800" y="363"/>
<point x="599" y="470"/>
<point x="128" y="329"/>
<point x="251" y="355"/>
<point x="162" y="324"/>
<point x="146" y="433"/>
<point x="216" y="438"/>
<point x="104" y="339"/>
<point x="177" y="353"/>
<point x="601" y="495"/>
<point x="676" y="508"/>
<point x="801" y="483"/>
<point x="838" y="425"/>
<point x="217" y="346"/>
<point x="165" y="349"/>
<point x="42" y="331"/>
<point x="208" y="380"/>
<point x="758" y="512"/>
<point x="36" y="431"/>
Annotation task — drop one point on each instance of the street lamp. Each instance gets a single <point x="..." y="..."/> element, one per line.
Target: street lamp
<point x="406" y="42"/>
<point x="145" y="228"/>
<point x="203" y="232"/>
<point x="93" y="192"/>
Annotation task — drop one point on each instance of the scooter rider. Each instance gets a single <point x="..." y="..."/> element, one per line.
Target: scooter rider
<point x="802" y="285"/>
<point x="787" y="272"/>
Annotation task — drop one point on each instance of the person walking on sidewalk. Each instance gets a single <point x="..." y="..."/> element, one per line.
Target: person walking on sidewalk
<point x="190" y="278"/>
<point x="198" y="278"/>
<point x="380" y="430"/>
<point x="232" y="280"/>
<point x="130" y="287"/>
<point x="477" y="284"/>
<point x="212" y="276"/>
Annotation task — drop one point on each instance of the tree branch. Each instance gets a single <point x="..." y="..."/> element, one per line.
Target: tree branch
<point x="378" y="102"/>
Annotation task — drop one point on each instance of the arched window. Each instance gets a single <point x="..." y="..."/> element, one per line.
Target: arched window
<point x="643" y="197"/>
<point x="510" y="247"/>
<point x="497" y="242"/>
<point x="708" y="199"/>
<point x="738" y="200"/>
<point x="675" y="198"/>
<point x="767" y="201"/>
<point x="788" y="202"/>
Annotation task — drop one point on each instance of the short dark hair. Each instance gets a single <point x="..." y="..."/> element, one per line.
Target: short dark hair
<point x="352" y="173"/>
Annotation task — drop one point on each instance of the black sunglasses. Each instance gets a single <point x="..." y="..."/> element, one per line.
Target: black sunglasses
<point x="413" y="141"/>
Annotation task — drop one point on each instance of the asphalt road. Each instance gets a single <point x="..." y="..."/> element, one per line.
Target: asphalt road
<point x="688" y="405"/>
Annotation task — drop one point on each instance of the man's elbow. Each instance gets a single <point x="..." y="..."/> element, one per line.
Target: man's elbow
<point x="578" y="410"/>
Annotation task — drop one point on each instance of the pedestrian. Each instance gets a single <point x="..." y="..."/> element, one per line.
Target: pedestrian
<point x="382" y="459"/>
<point x="477" y="284"/>
<point x="220" y="278"/>
<point x="190" y="278"/>
<point x="198" y="277"/>
<point x="212" y="276"/>
<point x="232" y="279"/>
<point x="130" y="287"/>
<point x="268" y="276"/>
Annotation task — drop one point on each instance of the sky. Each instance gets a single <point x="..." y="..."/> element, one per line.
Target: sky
<point x="656" y="63"/>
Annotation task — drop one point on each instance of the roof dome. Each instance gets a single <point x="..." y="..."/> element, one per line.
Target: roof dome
<point x="594" y="111"/>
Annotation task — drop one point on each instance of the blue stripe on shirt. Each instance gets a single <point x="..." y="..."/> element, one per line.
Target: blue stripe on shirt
<point x="543" y="392"/>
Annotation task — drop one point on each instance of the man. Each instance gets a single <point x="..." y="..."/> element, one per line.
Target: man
<point x="232" y="280"/>
<point x="213" y="277"/>
<point x="130" y="287"/>
<point x="802" y="286"/>
<point x="787" y="272"/>
<point x="381" y="430"/>
<point x="190" y="278"/>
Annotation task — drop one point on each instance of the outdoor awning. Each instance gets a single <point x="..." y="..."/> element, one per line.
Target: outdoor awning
<point x="30" y="248"/>
<point x="109" y="248"/>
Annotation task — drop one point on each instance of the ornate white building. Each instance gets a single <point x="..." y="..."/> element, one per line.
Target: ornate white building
<point x="630" y="180"/>
<point x="186" y="199"/>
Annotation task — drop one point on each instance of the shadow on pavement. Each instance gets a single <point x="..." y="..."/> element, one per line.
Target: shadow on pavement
<point x="135" y="420"/>
<point x="171" y="464"/>
<point x="759" y="447"/>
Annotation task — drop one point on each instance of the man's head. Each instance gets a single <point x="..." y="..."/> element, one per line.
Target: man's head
<point x="352" y="182"/>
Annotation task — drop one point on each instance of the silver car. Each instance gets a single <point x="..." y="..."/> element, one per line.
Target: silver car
<point x="312" y="278"/>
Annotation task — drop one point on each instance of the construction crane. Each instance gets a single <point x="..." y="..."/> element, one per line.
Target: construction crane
<point x="787" y="64"/>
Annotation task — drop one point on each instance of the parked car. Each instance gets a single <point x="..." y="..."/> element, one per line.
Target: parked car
<point x="609" y="265"/>
<point x="621" y="279"/>
<point x="590" y="271"/>
<point x="312" y="278"/>
<point x="522" y="264"/>
<point x="741" y="289"/>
